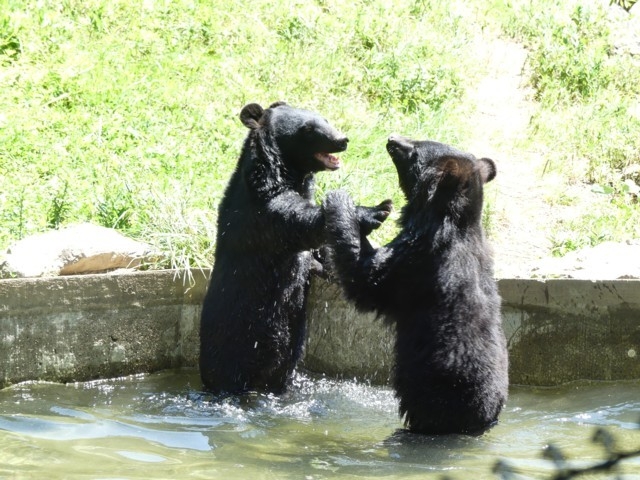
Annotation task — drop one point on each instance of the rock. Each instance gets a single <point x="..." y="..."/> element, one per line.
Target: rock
<point x="606" y="261"/>
<point x="77" y="249"/>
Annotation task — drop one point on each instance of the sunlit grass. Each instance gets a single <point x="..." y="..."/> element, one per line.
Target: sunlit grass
<point x="124" y="113"/>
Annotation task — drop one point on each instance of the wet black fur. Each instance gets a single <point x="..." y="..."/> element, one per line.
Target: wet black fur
<point x="434" y="282"/>
<point x="253" y="317"/>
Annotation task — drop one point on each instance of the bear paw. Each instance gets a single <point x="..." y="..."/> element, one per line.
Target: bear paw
<point x="370" y="218"/>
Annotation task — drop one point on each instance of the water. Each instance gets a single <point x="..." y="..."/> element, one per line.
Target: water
<point x="159" y="426"/>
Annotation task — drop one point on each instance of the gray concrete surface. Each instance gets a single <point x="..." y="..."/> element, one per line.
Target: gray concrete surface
<point x="560" y="330"/>
<point x="83" y="327"/>
<point x="557" y="330"/>
<point x="94" y="326"/>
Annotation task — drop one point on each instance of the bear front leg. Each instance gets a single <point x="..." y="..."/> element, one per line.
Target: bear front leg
<point x="301" y="222"/>
<point x="353" y="257"/>
<point x="343" y="226"/>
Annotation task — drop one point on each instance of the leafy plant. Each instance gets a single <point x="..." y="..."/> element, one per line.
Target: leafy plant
<point x="624" y="4"/>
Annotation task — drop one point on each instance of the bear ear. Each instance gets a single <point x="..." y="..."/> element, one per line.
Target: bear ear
<point x="251" y="115"/>
<point x="487" y="169"/>
<point x="450" y="167"/>
<point x="277" y="104"/>
<point x="454" y="171"/>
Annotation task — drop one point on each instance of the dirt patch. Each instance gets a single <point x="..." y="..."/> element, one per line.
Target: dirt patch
<point x="520" y="199"/>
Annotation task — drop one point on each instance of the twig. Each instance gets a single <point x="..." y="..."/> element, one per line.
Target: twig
<point x="608" y="464"/>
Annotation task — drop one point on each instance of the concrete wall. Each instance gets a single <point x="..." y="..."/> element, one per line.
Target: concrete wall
<point x="83" y="327"/>
<point x="557" y="331"/>
<point x="92" y="326"/>
<point x="562" y="330"/>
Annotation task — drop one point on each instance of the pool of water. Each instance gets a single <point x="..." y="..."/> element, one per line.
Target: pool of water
<point x="160" y="426"/>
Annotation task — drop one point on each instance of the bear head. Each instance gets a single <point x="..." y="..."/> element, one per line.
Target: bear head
<point x="303" y="139"/>
<point x="440" y="177"/>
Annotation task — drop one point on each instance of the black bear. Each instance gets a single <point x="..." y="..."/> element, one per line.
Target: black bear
<point x="433" y="282"/>
<point x="253" y="316"/>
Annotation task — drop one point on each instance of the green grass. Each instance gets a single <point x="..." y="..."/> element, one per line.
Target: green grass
<point x="585" y="80"/>
<point x="125" y="113"/>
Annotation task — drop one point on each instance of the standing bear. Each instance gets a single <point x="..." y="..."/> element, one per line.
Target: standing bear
<point x="253" y="316"/>
<point x="434" y="282"/>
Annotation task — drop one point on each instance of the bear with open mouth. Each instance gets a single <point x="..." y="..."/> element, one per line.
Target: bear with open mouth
<point x="253" y="319"/>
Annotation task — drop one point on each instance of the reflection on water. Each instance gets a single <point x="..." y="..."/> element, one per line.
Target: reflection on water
<point x="161" y="426"/>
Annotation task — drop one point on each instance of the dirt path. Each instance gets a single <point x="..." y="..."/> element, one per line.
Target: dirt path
<point x="523" y="199"/>
<point x="520" y="216"/>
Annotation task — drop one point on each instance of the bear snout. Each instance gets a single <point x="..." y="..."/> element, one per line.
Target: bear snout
<point x="399" y="147"/>
<point x="341" y="143"/>
<point x="396" y="140"/>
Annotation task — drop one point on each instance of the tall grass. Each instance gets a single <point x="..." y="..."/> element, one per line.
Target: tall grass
<point x="124" y="113"/>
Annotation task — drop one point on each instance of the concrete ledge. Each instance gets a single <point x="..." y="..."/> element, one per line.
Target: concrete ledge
<point x="82" y="327"/>
<point x="344" y="343"/>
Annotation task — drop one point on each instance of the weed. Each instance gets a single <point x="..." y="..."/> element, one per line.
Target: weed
<point x="60" y="206"/>
<point x="616" y="220"/>
<point x="183" y="234"/>
<point x="571" y="63"/>
<point x="114" y="209"/>
<point x="624" y="4"/>
<point x="10" y="44"/>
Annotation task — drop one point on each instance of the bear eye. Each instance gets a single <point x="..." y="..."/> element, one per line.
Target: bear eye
<point x="308" y="128"/>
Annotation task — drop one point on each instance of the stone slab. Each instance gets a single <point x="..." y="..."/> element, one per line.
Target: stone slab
<point x="73" y="250"/>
